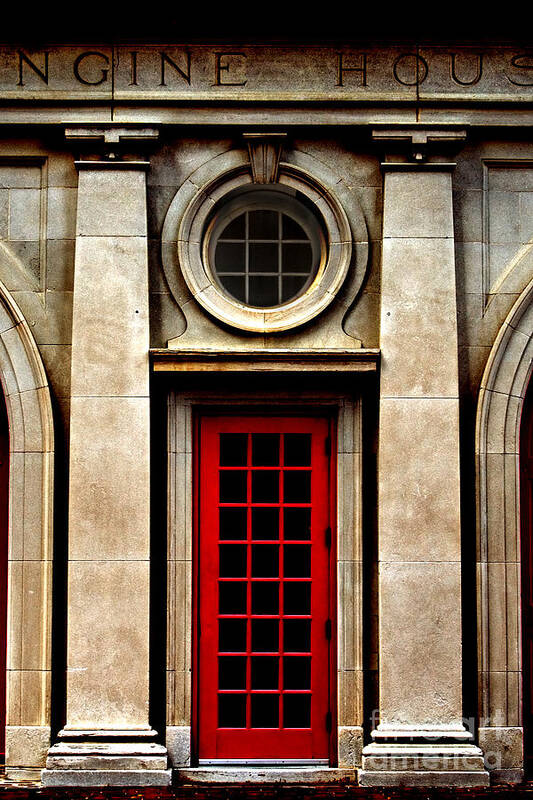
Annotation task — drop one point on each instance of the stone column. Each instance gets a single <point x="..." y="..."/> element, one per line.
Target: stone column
<point x="420" y="738"/>
<point x="107" y="739"/>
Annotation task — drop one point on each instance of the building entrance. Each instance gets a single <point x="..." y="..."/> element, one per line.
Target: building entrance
<point x="526" y="516"/>
<point x="264" y="589"/>
<point x="4" y="496"/>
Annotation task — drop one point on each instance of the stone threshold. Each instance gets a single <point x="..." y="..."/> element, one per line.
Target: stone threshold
<point x="247" y="774"/>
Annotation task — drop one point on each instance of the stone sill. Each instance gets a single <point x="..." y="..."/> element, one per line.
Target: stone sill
<point x="244" y="775"/>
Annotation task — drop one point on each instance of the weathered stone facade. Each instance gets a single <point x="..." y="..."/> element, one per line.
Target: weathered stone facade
<point x="413" y="333"/>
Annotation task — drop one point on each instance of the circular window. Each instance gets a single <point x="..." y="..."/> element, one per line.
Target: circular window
<point x="261" y="259"/>
<point x="265" y="248"/>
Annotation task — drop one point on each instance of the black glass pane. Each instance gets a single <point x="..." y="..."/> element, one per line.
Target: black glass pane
<point x="297" y="450"/>
<point x="297" y="561"/>
<point x="235" y="229"/>
<point x="265" y="561"/>
<point x="297" y="672"/>
<point x="265" y="598"/>
<point x="232" y="523"/>
<point x="296" y="598"/>
<point x="265" y="672"/>
<point x="265" y="635"/>
<point x="297" y="487"/>
<point x="296" y="710"/>
<point x="232" y="486"/>
<point x="265" y="710"/>
<point x="232" y="635"/>
<point x="265" y="523"/>
<point x="265" y="449"/>
<point x="297" y="258"/>
<point x="232" y="597"/>
<point x="297" y="635"/>
<point x="265" y="486"/>
<point x="232" y="672"/>
<point x="263" y="257"/>
<point x="232" y="560"/>
<point x="263" y="291"/>
<point x="232" y="711"/>
<point x="234" y="286"/>
<point x="297" y="523"/>
<point x="229" y="257"/>
<point x="291" y="286"/>
<point x="233" y="449"/>
<point x="263" y="224"/>
<point x="291" y="229"/>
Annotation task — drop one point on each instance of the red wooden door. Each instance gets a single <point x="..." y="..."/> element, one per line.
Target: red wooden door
<point x="526" y="520"/>
<point x="263" y="588"/>
<point x="4" y="494"/>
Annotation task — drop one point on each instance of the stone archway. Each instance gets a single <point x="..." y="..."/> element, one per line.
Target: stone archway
<point x="502" y="393"/>
<point x="29" y="410"/>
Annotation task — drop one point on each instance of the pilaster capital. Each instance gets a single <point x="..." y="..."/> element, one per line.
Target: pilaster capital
<point x="419" y="146"/>
<point x="112" y="146"/>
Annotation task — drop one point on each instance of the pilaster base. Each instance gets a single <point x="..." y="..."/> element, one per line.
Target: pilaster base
<point x="107" y="761"/>
<point x="388" y="764"/>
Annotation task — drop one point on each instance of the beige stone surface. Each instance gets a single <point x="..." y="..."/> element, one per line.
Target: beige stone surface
<point x="420" y="681"/>
<point x="419" y="480"/>
<point x="110" y="328"/>
<point x="417" y="204"/>
<point x="109" y="478"/>
<point x="108" y="636"/>
<point x="111" y="203"/>
<point x="350" y="746"/>
<point x="27" y="745"/>
<point x="418" y="318"/>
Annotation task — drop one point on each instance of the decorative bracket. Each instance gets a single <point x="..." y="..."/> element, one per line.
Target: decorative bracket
<point x="420" y="140"/>
<point x="108" y="144"/>
<point x="265" y="153"/>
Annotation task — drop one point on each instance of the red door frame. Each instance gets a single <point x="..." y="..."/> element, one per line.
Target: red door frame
<point x="247" y="416"/>
<point x="526" y="538"/>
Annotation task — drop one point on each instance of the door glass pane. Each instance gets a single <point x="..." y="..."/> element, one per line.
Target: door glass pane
<point x="265" y="635"/>
<point x="265" y="449"/>
<point x="232" y="635"/>
<point x="232" y="597"/>
<point x="265" y="486"/>
<point x="233" y="449"/>
<point x="232" y="672"/>
<point x="265" y="561"/>
<point x="297" y="487"/>
<point x="232" y="711"/>
<point x="297" y="523"/>
<point x="265" y="672"/>
<point x="296" y="710"/>
<point x="232" y="523"/>
<point x="265" y="712"/>
<point x="265" y="523"/>
<point x="233" y="487"/>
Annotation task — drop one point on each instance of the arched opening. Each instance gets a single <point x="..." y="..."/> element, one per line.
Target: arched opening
<point x="526" y="528"/>
<point x="4" y="498"/>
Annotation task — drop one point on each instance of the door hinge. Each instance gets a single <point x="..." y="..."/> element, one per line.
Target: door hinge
<point x="328" y="537"/>
<point x="329" y="722"/>
<point x="328" y="630"/>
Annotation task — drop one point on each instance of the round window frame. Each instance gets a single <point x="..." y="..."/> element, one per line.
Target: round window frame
<point x="204" y="287"/>
<point x="268" y="198"/>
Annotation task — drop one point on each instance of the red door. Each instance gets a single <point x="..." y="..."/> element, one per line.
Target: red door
<point x="526" y="520"/>
<point x="264" y="588"/>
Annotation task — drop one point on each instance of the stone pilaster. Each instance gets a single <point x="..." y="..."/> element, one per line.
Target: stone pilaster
<point x="420" y="738"/>
<point x="107" y="738"/>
